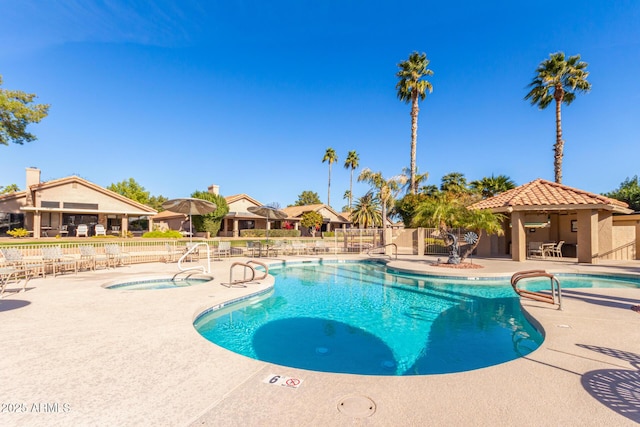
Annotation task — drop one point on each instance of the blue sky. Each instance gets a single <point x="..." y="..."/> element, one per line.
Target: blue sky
<point x="249" y="94"/>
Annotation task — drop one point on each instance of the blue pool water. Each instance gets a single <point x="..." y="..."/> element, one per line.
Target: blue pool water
<point x="361" y="318"/>
<point x="157" y="284"/>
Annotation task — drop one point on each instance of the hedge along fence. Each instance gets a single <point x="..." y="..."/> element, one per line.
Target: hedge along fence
<point x="272" y="233"/>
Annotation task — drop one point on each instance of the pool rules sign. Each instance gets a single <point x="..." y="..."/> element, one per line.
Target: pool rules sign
<point x="282" y="381"/>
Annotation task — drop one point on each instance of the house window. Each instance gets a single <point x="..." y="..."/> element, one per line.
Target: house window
<point x="244" y="224"/>
<point x="10" y="221"/>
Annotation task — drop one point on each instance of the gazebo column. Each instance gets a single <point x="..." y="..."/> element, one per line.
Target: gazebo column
<point x="588" y="236"/>
<point x="518" y="237"/>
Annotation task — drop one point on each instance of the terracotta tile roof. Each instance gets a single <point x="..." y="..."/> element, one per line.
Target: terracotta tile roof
<point x="545" y="193"/>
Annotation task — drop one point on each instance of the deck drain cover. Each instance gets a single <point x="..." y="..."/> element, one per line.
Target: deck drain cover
<point x="357" y="406"/>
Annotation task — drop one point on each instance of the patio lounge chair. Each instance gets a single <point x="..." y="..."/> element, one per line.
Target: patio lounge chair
<point x="90" y="258"/>
<point x="115" y="255"/>
<point x="298" y="248"/>
<point x="64" y="230"/>
<point x="9" y="273"/>
<point x="52" y="255"/>
<point x="173" y="252"/>
<point x="223" y="249"/>
<point x="535" y="249"/>
<point x="13" y="258"/>
<point x="100" y="230"/>
<point x="556" y="250"/>
<point x="82" y="231"/>
<point x="320" y="247"/>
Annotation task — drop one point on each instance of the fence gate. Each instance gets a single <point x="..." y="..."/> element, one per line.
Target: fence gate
<point x="357" y="240"/>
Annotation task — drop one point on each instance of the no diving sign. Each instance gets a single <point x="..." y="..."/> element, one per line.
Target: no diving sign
<point x="282" y="381"/>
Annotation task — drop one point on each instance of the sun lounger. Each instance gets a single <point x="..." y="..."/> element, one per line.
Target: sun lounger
<point x="59" y="262"/>
<point x="13" y="258"/>
<point x="115" y="256"/>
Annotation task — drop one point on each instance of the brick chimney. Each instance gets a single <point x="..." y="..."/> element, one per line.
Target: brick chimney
<point x="33" y="178"/>
<point x="214" y="189"/>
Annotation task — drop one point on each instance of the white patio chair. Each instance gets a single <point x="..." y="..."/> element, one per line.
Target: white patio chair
<point x="100" y="230"/>
<point x="82" y="230"/>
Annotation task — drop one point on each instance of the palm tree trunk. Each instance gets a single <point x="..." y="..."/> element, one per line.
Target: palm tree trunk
<point x="414" y="140"/>
<point x="329" y="187"/>
<point x="351" y="190"/>
<point x="559" y="146"/>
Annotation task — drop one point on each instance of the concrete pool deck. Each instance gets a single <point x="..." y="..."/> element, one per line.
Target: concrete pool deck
<point x="74" y="353"/>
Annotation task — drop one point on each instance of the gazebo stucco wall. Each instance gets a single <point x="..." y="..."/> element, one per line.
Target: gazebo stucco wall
<point x="546" y="211"/>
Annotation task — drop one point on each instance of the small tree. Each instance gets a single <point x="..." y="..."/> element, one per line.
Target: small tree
<point x="446" y="211"/>
<point x="308" y="198"/>
<point x="210" y="222"/>
<point x="131" y="189"/>
<point x="11" y="188"/>
<point x="628" y="192"/>
<point x="312" y="220"/>
<point x="16" y="113"/>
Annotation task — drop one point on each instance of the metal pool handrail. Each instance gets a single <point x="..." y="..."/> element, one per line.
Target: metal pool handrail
<point x="192" y="249"/>
<point x="245" y="265"/>
<point x="538" y="296"/>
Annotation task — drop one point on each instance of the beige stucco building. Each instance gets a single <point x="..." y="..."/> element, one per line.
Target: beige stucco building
<point x="58" y="206"/>
<point x="593" y="227"/>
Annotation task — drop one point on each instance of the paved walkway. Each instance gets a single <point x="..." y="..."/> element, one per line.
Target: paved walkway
<point x="74" y="353"/>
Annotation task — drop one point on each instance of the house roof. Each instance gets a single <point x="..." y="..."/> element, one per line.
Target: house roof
<point x="236" y="197"/>
<point x="136" y="208"/>
<point x="542" y="194"/>
<point x="297" y="211"/>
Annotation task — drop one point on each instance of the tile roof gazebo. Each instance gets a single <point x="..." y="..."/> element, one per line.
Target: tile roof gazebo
<point x="565" y="213"/>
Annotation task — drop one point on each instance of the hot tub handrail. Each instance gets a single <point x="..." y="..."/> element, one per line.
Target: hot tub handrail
<point x="191" y="249"/>
<point x="538" y="296"/>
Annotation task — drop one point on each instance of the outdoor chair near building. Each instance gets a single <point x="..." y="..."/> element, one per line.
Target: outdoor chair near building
<point x="64" y="230"/>
<point x="556" y="249"/>
<point x="100" y="230"/>
<point x="535" y="250"/>
<point x="82" y="230"/>
<point x="59" y="262"/>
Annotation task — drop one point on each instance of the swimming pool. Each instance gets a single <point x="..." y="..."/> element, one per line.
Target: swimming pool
<point x="157" y="283"/>
<point x="360" y="318"/>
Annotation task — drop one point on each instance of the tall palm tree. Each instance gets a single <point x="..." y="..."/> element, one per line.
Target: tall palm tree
<point x="411" y="88"/>
<point x="490" y="186"/>
<point x="558" y="78"/>
<point x="331" y="157"/>
<point x="352" y="162"/>
<point x="387" y="189"/>
<point x="454" y="182"/>
<point x="366" y="212"/>
<point x="420" y="179"/>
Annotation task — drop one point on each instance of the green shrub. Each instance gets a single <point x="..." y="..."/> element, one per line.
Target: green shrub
<point x="169" y="234"/>
<point x="18" y="232"/>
